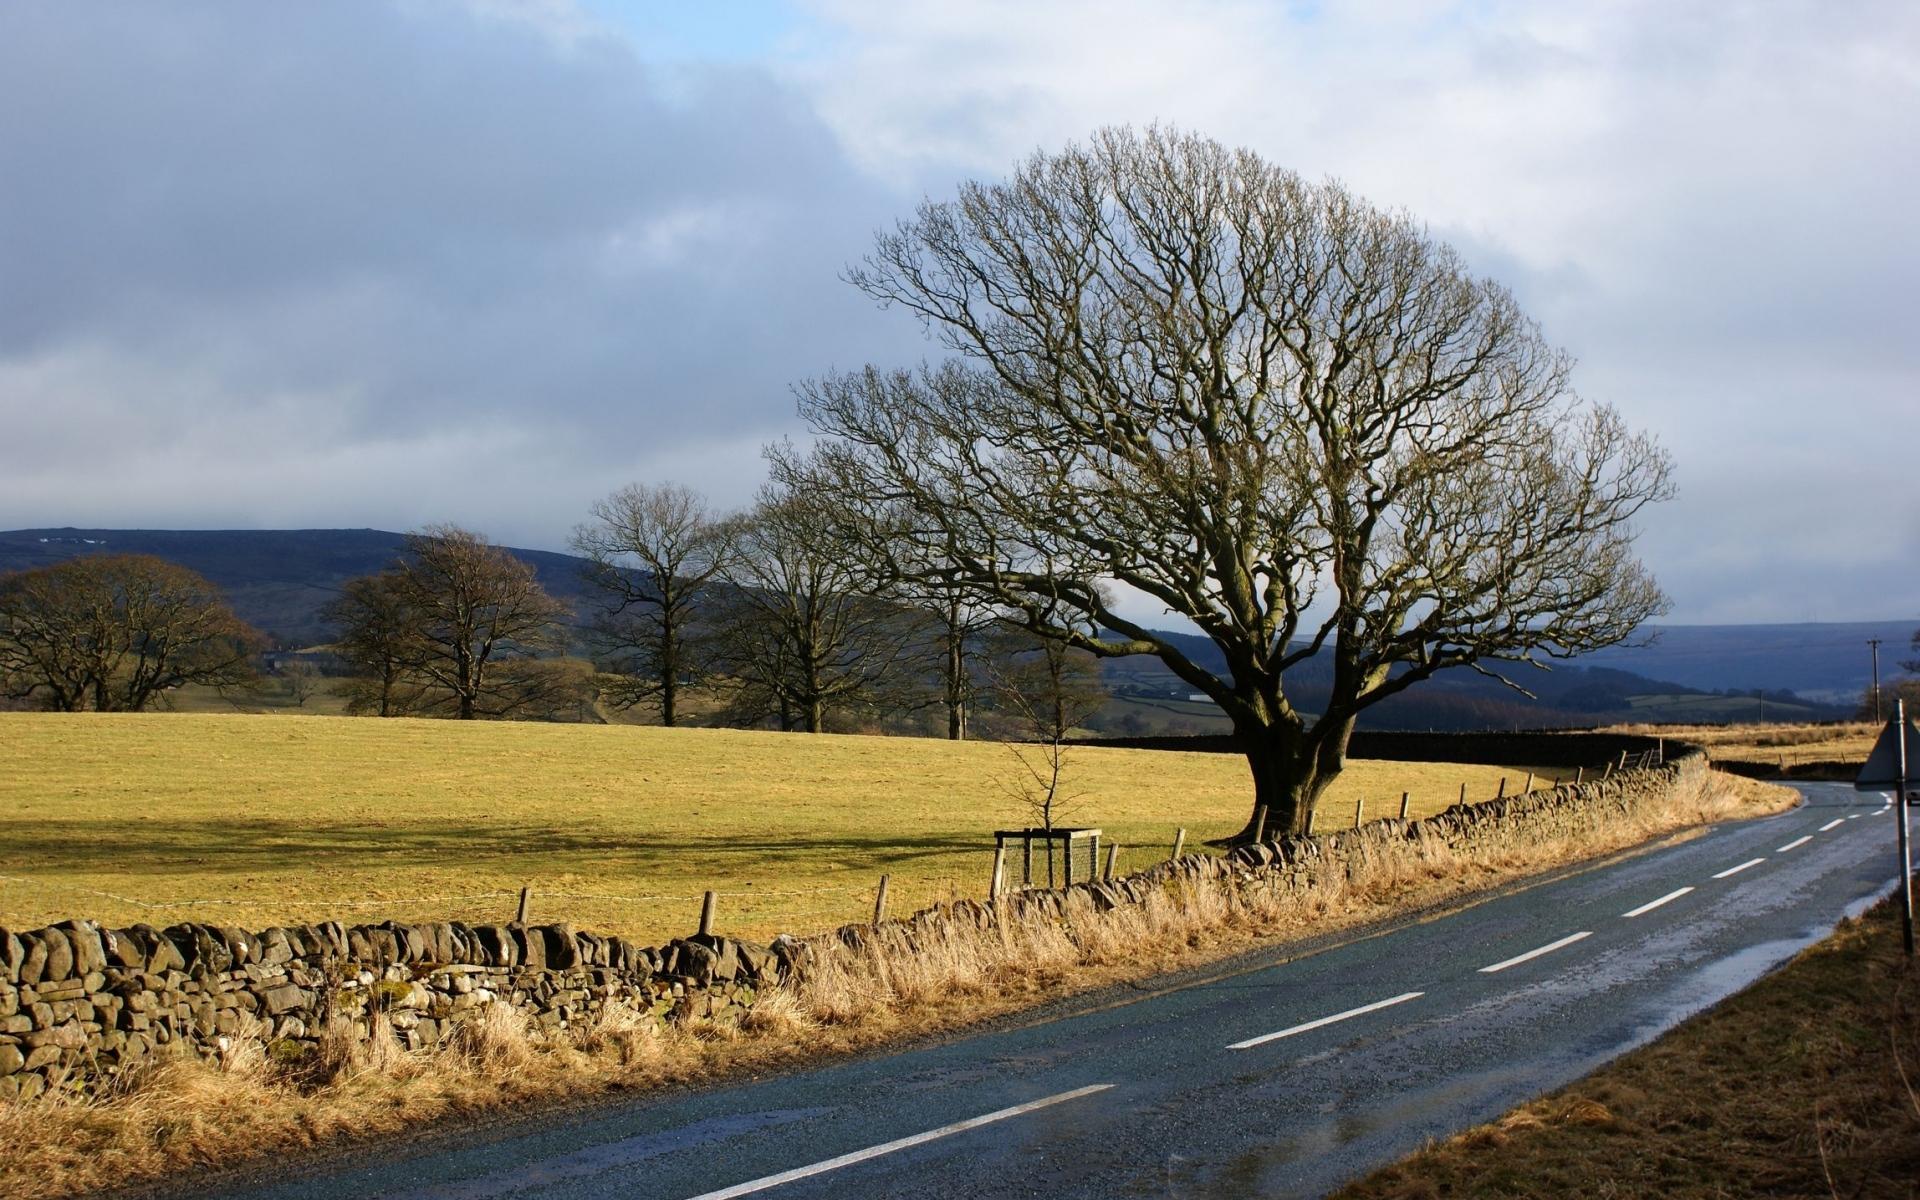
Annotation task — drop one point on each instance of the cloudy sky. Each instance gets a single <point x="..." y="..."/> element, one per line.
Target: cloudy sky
<point x="382" y="264"/>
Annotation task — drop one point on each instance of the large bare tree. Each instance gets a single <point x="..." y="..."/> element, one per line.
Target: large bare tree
<point x="116" y="632"/>
<point x="654" y="552"/>
<point x="1293" y="419"/>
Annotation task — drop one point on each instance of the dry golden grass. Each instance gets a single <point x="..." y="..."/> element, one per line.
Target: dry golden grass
<point x="1825" y="1107"/>
<point x="1778" y="746"/>
<point x="267" y="820"/>
<point x="184" y="1116"/>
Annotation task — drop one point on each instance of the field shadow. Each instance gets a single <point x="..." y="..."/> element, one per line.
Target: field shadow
<point x="232" y="847"/>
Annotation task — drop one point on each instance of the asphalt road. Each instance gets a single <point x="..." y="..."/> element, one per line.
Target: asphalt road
<point x="1284" y="1080"/>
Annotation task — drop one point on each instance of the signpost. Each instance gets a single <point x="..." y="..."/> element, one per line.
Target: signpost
<point x="1887" y="769"/>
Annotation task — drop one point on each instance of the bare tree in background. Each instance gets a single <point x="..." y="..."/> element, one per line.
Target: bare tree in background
<point x="1262" y="404"/>
<point x="378" y="638"/>
<point x="116" y="632"/>
<point x="805" y="631"/>
<point x="477" y="606"/>
<point x="955" y="622"/>
<point x="301" y="679"/>
<point x="654" y="553"/>
<point x="470" y="624"/>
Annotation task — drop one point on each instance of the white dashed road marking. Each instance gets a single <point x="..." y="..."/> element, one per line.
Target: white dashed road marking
<point x="1835" y="823"/>
<point x="1797" y="842"/>
<point x="1752" y="862"/>
<point x="1650" y="905"/>
<point x="1549" y="948"/>
<point x="1352" y="1012"/>
<point x="847" y="1160"/>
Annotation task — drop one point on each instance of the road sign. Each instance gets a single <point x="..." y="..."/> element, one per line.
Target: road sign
<point x="1882" y="772"/>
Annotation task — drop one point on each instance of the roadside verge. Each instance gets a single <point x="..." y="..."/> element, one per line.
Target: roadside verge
<point x="1805" y="1084"/>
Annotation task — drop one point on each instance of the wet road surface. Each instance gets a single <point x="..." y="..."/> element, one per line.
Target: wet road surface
<point x="1284" y="1080"/>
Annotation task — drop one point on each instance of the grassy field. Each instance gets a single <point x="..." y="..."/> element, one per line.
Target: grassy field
<point x="257" y="820"/>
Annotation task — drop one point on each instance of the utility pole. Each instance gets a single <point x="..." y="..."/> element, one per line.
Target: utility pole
<point x="1874" y="645"/>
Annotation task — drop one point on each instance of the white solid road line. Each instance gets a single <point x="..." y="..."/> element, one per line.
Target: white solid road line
<point x="1752" y="862"/>
<point x="847" y="1160"/>
<point x="1837" y="821"/>
<point x="1797" y="842"/>
<point x="1376" y="1006"/>
<point x="1549" y="948"/>
<point x="1650" y="905"/>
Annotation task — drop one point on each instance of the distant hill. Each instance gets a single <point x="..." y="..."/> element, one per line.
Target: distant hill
<point x="1825" y="662"/>
<point x="278" y="580"/>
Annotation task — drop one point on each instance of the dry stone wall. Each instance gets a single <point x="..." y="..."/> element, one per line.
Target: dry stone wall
<point x="79" y="1004"/>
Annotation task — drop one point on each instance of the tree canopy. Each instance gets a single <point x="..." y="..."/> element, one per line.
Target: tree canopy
<point x="1294" y="419"/>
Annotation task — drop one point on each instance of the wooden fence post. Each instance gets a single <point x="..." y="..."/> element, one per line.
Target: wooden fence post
<point x="1359" y="810"/>
<point x="526" y="900"/>
<point x="999" y="870"/>
<point x="706" y="914"/>
<point x="1502" y="793"/>
<point x="1403" y="806"/>
<point x="1179" y="841"/>
<point x="1463" y="791"/>
<point x="1623" y="761"/>
<point x="880" y="901"/>
<point x="1260" y="821"/>
<point x="1113" y="859"/>
<point x="1529" y="781"/>
<point x="1311" y="814"/>
<point x="1579" y="776"/>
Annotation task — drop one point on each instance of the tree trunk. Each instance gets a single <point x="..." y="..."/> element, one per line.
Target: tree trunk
<point x="1286" y="778"/>
<point x="816" y="715"/>
<point x="669" y="664"/>
<point x="956" y="698"/>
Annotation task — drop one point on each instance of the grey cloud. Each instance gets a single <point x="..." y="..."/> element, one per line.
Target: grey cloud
<point x="388" y="222"/>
